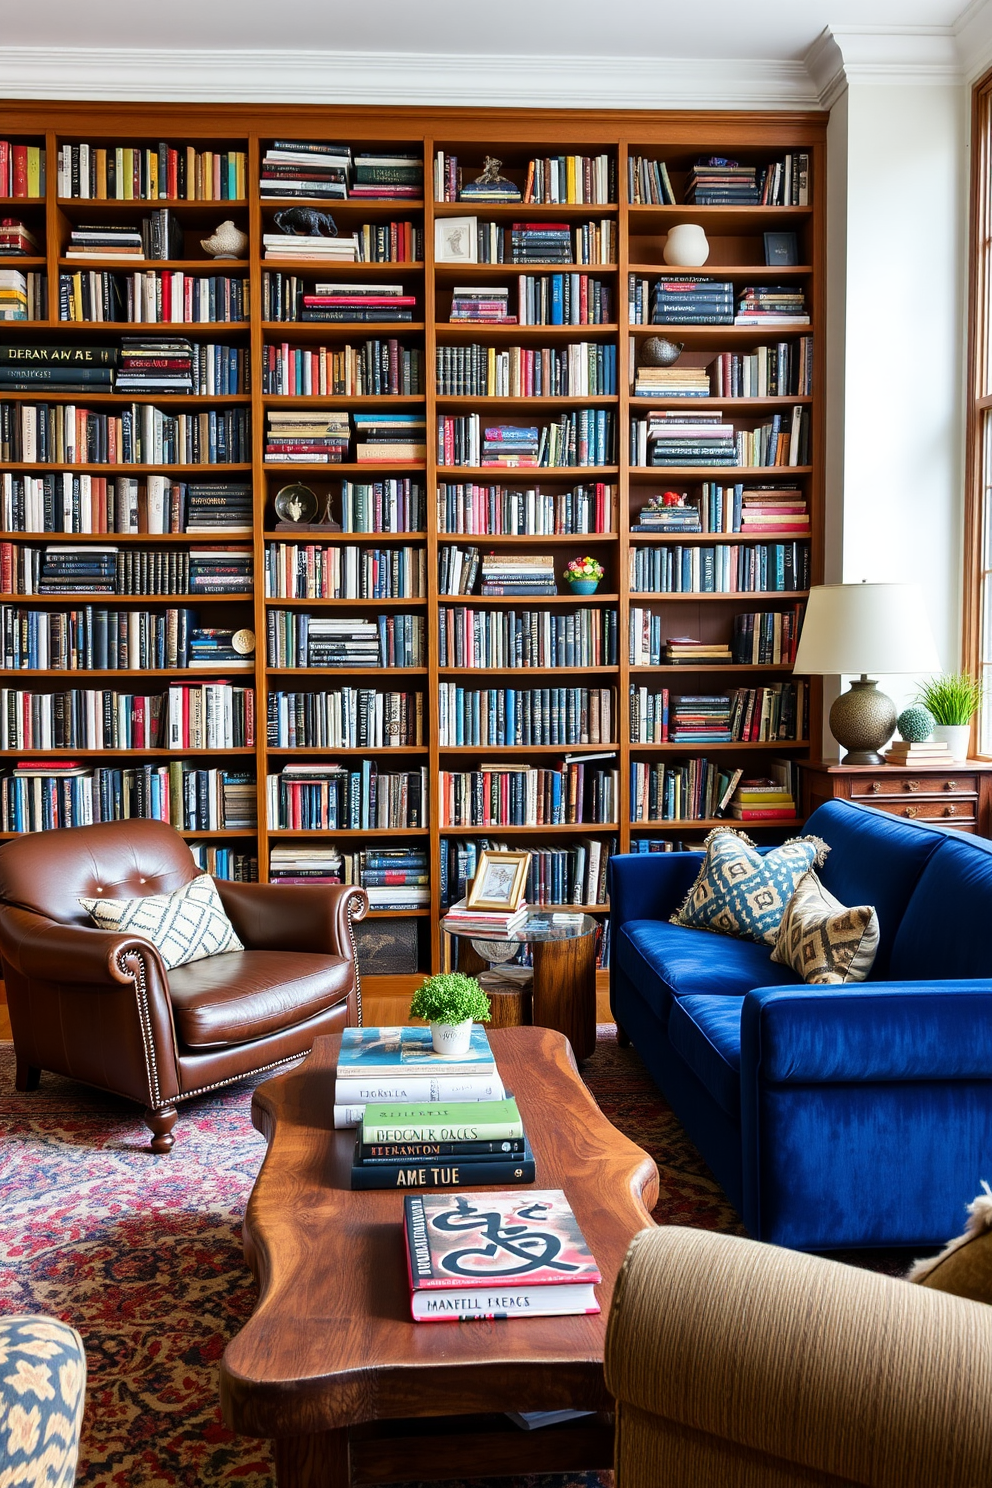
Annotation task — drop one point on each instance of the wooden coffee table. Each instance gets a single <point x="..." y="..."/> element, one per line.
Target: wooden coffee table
<point x="331" y="1366"/>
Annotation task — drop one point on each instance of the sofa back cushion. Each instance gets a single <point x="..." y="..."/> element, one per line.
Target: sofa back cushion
<point x="947" y="928"/>
<point x="874" y="859"/>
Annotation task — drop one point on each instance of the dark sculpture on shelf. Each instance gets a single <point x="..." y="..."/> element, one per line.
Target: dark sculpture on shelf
<point x="657" y="351"/>
<point x="307" y="221"/>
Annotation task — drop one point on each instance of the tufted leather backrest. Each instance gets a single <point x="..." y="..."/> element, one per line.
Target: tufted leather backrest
<point x="49" y="872"/>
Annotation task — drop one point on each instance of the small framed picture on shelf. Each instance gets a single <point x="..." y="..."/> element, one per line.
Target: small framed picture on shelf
<point x="781" y="248"/>
<point x="456" y="240"/>
<point x="499" y="881"/>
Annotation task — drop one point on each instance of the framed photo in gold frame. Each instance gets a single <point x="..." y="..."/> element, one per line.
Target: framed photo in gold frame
<point x="499" y="881"/>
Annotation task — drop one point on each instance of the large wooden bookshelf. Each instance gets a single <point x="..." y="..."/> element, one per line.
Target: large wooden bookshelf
<point x="736" y="253"/>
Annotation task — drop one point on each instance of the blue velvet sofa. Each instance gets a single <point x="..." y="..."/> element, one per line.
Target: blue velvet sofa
<point x="858" y="1115"/>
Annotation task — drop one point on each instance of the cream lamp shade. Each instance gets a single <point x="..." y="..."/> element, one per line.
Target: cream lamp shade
<point x="862" y="628"/>
<point x="866" y="628"/>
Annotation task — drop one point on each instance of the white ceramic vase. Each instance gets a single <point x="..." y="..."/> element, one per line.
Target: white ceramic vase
<point x="227" y="242"/>
<point x="686" y="246"/>
<point x="451" y="1038"/>
<point x="956" y="737"/>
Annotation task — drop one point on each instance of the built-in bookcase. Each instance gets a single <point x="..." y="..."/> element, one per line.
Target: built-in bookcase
<point x="403" y="532"/>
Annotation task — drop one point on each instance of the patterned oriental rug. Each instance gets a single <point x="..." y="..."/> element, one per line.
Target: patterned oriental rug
<point x="143" y="1256"/>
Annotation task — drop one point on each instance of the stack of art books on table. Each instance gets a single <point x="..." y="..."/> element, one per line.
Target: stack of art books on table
<point x="487" y="921"/>
<point x="497" y="1255"/>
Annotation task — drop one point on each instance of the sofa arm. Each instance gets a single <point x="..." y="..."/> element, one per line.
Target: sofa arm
<point x="45" y="951"/>
<point x="874" y="1031"/>
<point x="649" y="886"/>
<point x="737" y="1362"/>
<point x="294" y="917"/>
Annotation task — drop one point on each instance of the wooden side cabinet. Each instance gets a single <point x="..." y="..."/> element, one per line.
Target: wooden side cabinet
<point x="957" y="796"/>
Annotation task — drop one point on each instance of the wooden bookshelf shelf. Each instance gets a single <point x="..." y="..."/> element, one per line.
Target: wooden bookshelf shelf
<point x="638" y="239"/>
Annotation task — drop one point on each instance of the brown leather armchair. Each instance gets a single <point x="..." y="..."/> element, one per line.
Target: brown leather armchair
<point x="100" y="1006"/>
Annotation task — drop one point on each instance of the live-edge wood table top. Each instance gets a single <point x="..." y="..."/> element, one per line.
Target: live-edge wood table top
<point x="331" y="1342"/>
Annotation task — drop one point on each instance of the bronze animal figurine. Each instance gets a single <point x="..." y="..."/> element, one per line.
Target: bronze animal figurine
<point x="308" y="221"/>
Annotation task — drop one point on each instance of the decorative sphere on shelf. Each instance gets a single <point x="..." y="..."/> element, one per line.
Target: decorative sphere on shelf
<point x="915" y="723"/>
<point x="686" y="246"/>
<point x="657" y="351"/>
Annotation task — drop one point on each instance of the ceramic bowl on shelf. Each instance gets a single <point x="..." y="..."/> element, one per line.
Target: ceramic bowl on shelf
<point x="583" y="586"/>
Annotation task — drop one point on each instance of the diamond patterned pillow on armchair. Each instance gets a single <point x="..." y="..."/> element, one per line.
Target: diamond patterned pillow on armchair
<point x="741" y="891"/>
<point x="185" y="926"/>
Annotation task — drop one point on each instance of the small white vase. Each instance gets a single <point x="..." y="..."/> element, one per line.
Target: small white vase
<point x="452" y="1038"/>
<point x="686" y="246"/>
<point x="956" y="737"/>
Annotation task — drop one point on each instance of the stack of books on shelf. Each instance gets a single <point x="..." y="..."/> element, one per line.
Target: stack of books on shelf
<point x="771" y="305"/>
<point x="692" y="300"/>
<point x="216" y="504"/>
<point x="487" y="305"/>
<point x="648" y="182"/>
<point x="16" y="240"/>
<point x="78" y="570"/>
<point x="510" y="446"/>
<point x="299" y="864"/>
<point x="390" y="436"/>
<point x="774" y="511"/>
<point x="217" y="649"/>
<point x="393" y="877"/>
<point x="358" y="302"/>
<point x="541" y="242"/>
<point x="667" y="515"/>
<point x="220" y="571"/>
<point x="444" y="1289"/>
<point x="300" y="168"/>
<point x="762" y="798"/>
<point x="671" y="382"/>
<point x="344" y="641"/>
<point x="61" y="368"/>
<point x="700" y="719"/>
<point x="315" y="249"/>
<point x="390" y="176"/>
<point x="307" y="436"/>
<point x="518" y="573"/>
<point x="716" y="182"/>
<point x="685" y="650"/>
<point x="930" y="752"/>
<point x="112" y="241"/>
<point x="15" y="301"/>
<point x="677" y="438"/>
<point x="155" y="365"/>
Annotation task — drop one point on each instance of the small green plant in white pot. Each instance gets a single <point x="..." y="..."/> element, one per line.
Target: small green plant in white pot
<point x="450" y="1002"/>
<point x="953" y="698"/>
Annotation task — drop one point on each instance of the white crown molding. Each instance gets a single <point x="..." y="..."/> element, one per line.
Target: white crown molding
<point x="427" y="79"/>
<point x="894" y="56"/>
<point x="973" y="34"/>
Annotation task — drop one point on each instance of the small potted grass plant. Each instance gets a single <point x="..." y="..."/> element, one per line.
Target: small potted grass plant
<point x="450" y="1002"/>
<point x="953" y="698"/>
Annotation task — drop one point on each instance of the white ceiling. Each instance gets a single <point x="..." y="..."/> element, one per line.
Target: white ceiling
<point x="780" y="30"/>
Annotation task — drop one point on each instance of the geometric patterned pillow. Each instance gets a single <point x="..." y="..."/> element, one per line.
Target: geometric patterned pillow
<point x="42" y="1393"/>
<point x="822" y="940"/>
<point x="742" y="892"/>
<point x="185" y="926"/>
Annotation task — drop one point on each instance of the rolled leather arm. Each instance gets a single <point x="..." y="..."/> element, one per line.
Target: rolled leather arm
<point x="46" y="951"/>
<point x="294" y="917"/>
<point x="834" y="1369"/>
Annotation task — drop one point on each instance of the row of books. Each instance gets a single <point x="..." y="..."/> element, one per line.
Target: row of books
<point x="564" y="299"/>
<point x="92" y="638"/>
<point x="309" y="168"/>
<point x="503" y="795"/>
<point x="765" y="568"/>
<point x="151" y="296"/>
<point x="582" y="370"/>
<point x="99" y="569"/>
<point x="18" y="241"/>
<point x="159" y="236"/>
<point x="469" y="637"/>
<point x="350" y="301"/>
<point x="741" y="714"/>
<point x="141" y="364"/>
<point x="546" y="181"/>
<point x="208" y="715"/>
<point x="765" y="638"/>
<point x="231" y="863"/>
<point x="501" y="573"/>
<point x="368" y="370"/>
<point x="323" y="436"/>
<point x="700" y="300"/>
<point x="349" y="718"/>
<point x="373" y="242"/>
<point x="344" y="571"/>
<point x="77" y="502"/>
<point x="150" y="173"/>
<point x="755" y="510"/>
<point x="783" y="370"/>
<point x="586" y="436"/>
<point x="680" y="438"/>
<point x="395" y="505"/>
<point x="42" y="797"/>
<point x="719" y="182"/>
<point x="508" y="716"/>
<point x="690" y="790"/>
<point x="328" y="797"/>
<point x="501" y="511"/>
<point x="56" y="433"/>
<point x="23" y="296"/>
<point x="297" y="639"/>
<point x="467" y="240"/>
<point x="575" y="874"/>
<point x="396" y="878"/>
<point x="22" y="169"/>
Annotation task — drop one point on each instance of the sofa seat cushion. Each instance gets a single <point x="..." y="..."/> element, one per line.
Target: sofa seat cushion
<point x="664" y="960"/>
<point x="706" y="1032"/>
<point x="244" y="995"/>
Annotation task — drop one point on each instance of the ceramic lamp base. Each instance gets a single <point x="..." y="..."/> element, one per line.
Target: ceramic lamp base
<point x="863" y="720"/>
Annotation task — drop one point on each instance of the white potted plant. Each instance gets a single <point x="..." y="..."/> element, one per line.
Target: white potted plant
<point x="953" y="698"/>
<point x="450" y="1002"/>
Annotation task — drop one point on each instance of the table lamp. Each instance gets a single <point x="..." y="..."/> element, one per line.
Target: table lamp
<point x="865" y="628"/>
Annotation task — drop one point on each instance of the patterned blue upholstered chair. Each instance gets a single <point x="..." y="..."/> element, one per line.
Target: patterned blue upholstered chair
<point x="42" y="1388"/>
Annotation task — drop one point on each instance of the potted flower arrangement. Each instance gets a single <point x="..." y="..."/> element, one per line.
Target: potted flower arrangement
<point x="450" y="1002"/>
<point x="953" y="699"/>
<point x="584" y="575"/>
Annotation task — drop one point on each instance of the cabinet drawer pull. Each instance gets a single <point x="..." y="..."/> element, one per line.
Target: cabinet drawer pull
<point x="950" y="785"/>
<point x="875" y="787"/>
<point x="912" y="785"/>
<point x="950" y="811"/>
<point x="910" y="811"/>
